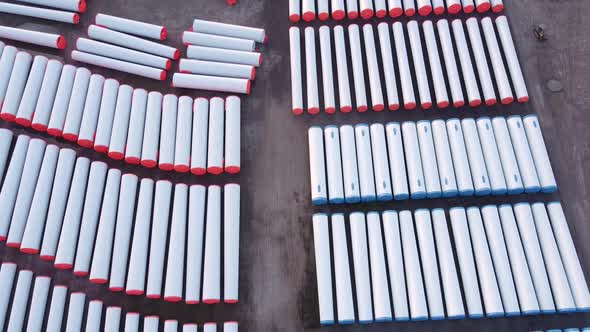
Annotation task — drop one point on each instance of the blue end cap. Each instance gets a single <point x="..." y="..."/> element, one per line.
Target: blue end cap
<point x="495" y="314"/>
<point x="533" y="189"/>
<point x="456" y="317"/>
<point x="567" y="310"/>
<point x="501" y="191"/>
<point x="319" y="201"/>
<point x="418" y="195"/>
<point x="437" y="317"/>
<point x="401" y="197"/>
<point x="483" y="192"/>
<point x="385" y="197"/>
<point x="515" y="191"/>
<point x="584" y="309"/>
<point x="466" y="192"/>
<point x="402" y="319"/>
<point x="572" y="329"/>
<point x="368" y="198"/>
<point x="361" y="125"/>
<point x="531" y="312"/>
<point x="346" y="321"/>
<point x="512" y="313"/>
<point x="368" y="321"/>
<point x="475" y="316"/>
<point x="337" y="200"/>
<point x="419" y="318"/>
<point x="434" y="194"/>
<point x="383" y="319"/>
<point x="548" y="312"/>
<point x="450" y="193"/>
<point x="549" y="189"/>
<point x="327" y="322"/>
<point x="353" y="199"/>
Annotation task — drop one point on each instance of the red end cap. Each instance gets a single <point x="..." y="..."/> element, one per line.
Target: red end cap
<point x="8" y="117"/>
<point x="410" y="12"/>
<point x="2" y="238"/>
<point x="491" y="102"/>
<point x="30" y="251"/>
<point x="70" y="137"/>
<point x="116" y="155"/>
<point x="330" y="110"/>
<point x="260" y="60"/>
<point x="469" y="9"/>
<point x="498" y="8"/>
<point x="82" y="6"/>
<point x="396" y="12"/>
<point x="232" y="169"/>
<point x="353" y="15"/>
<point x="176" y="55"/>
<point x="76" y="18"/>
<point x="294" y="18"/>
<point x="475" y="103"/>
<point x="23" y="122"/>
<point x="308" y="16"/>
<point x="116" y="289"/>
<point x="484" y="7"/>
<point x="426" y="105"/>
<point x="443" y="104"/>
<point x="410" y="106"/>
<point x="198" y="171"/>
<point x="253" y="73"/>
<point x="149" y="163"/>
<point x="48" y="258"/>
<point x="63" y="266"/>
<point x="425" y="10"/>
<point x="230" y="301"/>
<point x="99" y="281"/>
<point x="232" y="2"/>
<point x="338" y="14"/>
<point x="439" y="10"/>
<point x="380" y="14"/>
<point x="367" y="13"/>
<point x="193" y="302"/>
<point x="164" y="33"/>
<point x="249" y="85"/>
<point x="459" y="103"/>
<point x="61" y="42"/>
<point x="168" y="64"/>
<point x="323" y="16"/>
<point x="182" y="168"/>
<point x="455" y="8"/>
<point x="507" y="100"/>
<point x="297" y="111"/>
<point x="101" y="148"/>
<point x="153" y="296"/>
<point x="54" y="132"/>
<point x="13" y="245"/>
<point x="172" y="298"/>
<point x="346" y="109"/>
<point x="362" y="108"/>
<point x="80" y="273"/>
<point x="523" y="99"/>
<point x="211" y="301"/>
<point x="132" y="160"/>
<point x="313" y="110"/>
<point x="214" y="170"/>
<point x="135" y="292"/>
<point x="393" y="107"/>
<point x="265" y="39"/>
<point x="39" y="127"/>
<point x="166" y="167"/>
<point x="378" y="107"/>
<point x="85" y="143"/>
<point x="163" y="75"/>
